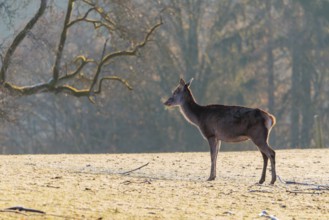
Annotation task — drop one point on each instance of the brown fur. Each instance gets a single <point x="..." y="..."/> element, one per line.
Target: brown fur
<point x="227" y="123"/>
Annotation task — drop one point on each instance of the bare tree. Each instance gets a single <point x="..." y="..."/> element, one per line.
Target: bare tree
<point x="71" y="49"/>
<point x="60" y="79"/>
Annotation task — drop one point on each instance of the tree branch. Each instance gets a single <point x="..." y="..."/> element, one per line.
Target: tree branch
<point x="61" y="44"/>
<point x="72" y="91"/>
<point x="97" y="23"/>
<point x="124" y="82"/>
<point x="104" y="48"/>
<point x="100" y="12"/>
<point x="18" y="39"/>
<point x="131" y="52"/>
<point x="80" y="19"/>
<point x="57" y="82"/>
<point x="71" y="75"/>
<point x="27" y="90"/>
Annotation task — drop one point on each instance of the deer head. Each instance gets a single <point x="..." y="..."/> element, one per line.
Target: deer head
<point x="180" y="94"/>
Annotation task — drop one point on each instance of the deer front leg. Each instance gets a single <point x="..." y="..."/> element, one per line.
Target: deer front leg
<point x="214" y="147"/>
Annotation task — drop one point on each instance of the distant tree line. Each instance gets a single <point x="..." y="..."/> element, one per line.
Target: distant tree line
<point x="270" y="54"/>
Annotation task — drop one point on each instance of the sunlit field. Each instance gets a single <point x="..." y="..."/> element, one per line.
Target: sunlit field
<point x="164" y="186"/>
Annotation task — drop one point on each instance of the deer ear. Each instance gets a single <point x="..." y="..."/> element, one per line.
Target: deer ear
<point x="182" y="82"/>
<point x="189" y="82"/>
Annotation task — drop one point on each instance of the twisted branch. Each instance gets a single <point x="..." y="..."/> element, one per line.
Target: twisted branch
<point x="130" y="52"/>
<point x="18" y="39"/>
<point x="124" y="82"/>
<point x="56" y="82"/>
<point x="81" y="18"/>
<point x="61" y="44"/>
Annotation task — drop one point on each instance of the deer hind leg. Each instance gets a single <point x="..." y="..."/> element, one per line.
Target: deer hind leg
<point x="272" y="159"/>
<point x="214" y="145"/>
<point x="265" y="158"/>
<point x="260" y="139"/>
<point x="270" y="153"/>
<point x="267" y="153"/>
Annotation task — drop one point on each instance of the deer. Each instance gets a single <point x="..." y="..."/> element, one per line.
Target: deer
<point x="226" y="123"/>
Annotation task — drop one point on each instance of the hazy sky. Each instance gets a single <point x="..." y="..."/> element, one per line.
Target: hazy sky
<point x="24" y="13"/>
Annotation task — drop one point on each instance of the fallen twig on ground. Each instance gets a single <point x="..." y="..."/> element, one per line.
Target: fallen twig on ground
<point x="22" y="209"/>
<point x="259" y="191"/>
<point x="13" y="211"/>
<point x="130" y="171"/>
<point x="319" y="187"/>
<point x="315" y="187"/>
<point x="127" y="182"/>
<point x="303" y="191"/>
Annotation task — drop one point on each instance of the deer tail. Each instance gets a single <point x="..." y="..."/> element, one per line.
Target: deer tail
<point x="269" y="120"/>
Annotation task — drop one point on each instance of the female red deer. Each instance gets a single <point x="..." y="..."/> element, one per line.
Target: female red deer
<point x="226" y="123"/>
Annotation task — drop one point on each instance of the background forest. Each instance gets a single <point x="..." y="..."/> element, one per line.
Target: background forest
<point x="271" y="54"/>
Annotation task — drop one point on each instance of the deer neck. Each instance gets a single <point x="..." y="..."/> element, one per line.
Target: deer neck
<point x="190" y="109"/>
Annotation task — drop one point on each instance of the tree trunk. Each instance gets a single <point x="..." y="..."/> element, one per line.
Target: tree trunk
<point x="270" y="70"/>
<point x="295" y="97"/>
<point x="306" y="105"/>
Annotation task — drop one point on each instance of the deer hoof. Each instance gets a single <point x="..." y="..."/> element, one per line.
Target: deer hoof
<point x="211" y="178"/>
<point x="261" y="181"/>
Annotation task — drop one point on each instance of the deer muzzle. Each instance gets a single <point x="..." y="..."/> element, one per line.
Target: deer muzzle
<point x="169" y="102"/>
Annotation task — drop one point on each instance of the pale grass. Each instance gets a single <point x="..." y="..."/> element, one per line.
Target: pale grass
<point x="172" y="186"/>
